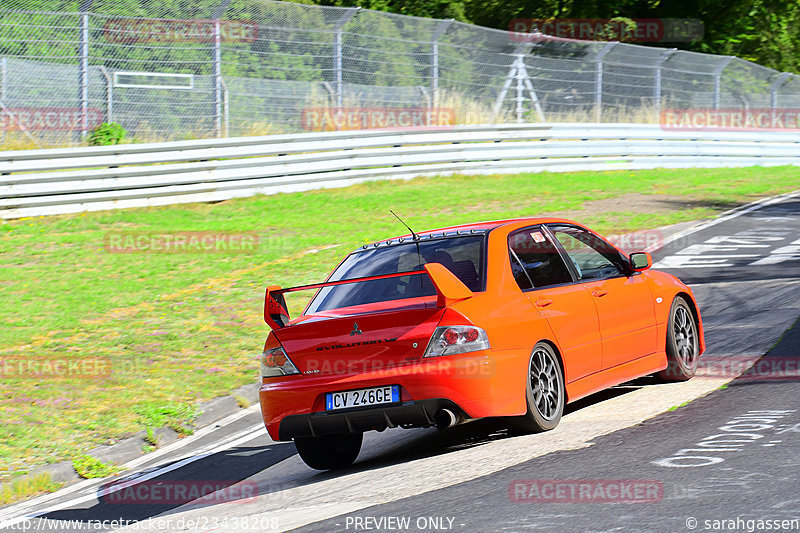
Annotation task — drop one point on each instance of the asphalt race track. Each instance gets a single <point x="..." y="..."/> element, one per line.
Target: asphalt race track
<point x="723" y="462"/>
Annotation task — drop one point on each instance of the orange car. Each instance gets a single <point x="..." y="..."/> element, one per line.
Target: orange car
<point x="510" y="318"/>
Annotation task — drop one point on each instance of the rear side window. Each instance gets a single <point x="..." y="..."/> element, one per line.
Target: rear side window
<point x="463" y="256"/>
<point x="535" y="260"/>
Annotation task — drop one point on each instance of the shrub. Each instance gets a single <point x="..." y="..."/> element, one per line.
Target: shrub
<point x="107" y="133"/>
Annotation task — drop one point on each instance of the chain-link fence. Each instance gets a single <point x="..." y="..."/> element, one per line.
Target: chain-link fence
<point x="173" y="69"/>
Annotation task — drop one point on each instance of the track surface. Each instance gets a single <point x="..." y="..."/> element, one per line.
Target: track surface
<point x="745" y="271"/>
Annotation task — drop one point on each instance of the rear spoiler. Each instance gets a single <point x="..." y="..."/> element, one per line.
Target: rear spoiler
<point x="449" y="289"/>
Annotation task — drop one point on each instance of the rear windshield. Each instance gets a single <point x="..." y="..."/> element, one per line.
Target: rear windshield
<point x="463" y="256"/>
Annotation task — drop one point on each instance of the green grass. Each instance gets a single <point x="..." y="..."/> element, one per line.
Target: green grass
<point x="676" y="407"/>
<point x="27" y="487"/>
<point x="177" y="416"/>
<point x="88" y="467"/>
<point x="181" y="328"/>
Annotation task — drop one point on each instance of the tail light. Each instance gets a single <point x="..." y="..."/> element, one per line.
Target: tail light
<point x="450" y="340"/>
<point x="275" y="362"/>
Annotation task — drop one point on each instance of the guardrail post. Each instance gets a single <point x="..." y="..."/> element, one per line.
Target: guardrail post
<point x="83" y="67"/>
<point x="598" y="80"/>
<point x="718" y="79"/>
<point x="665" y="55"/>
<point x="443" y="25"/>
<point x="775" y="87"/>
<point x="337" y="52"/>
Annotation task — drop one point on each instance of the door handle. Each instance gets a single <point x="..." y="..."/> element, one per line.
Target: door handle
<point x="543" y="303"/>
<point x="597" y="293"/>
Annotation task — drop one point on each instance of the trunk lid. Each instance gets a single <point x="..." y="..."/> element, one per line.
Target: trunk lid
<point x="369" y="338"/>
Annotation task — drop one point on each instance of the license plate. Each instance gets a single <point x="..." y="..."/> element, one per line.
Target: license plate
<point x="362" y="397"/>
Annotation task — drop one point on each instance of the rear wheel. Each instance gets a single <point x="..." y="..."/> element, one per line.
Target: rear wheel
<point x="545" y="391"/>
<point x="683" y="348"/>
<point x="329" y="452"/>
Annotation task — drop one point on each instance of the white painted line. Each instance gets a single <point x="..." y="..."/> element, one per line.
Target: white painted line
<point x="29" y="505"/>
<point x="727" y="215"/>
<point x="27" y="510"/>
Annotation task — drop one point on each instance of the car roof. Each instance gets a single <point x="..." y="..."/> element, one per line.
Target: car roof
<point x="472" y="228"/>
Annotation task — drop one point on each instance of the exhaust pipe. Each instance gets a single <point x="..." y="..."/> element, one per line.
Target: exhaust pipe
<point x="445" y="418"/>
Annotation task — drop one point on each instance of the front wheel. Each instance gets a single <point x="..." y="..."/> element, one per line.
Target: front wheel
<point x="545" y="391"/>
<point x="683" y="348"/>
<point x="329" y="452"/>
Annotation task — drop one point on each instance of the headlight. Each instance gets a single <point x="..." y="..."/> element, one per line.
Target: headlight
<point x="275" y="362"/>
<point x="450" y="340"/>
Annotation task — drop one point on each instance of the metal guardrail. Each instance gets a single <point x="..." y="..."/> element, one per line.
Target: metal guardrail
<point x="68" y="180"/>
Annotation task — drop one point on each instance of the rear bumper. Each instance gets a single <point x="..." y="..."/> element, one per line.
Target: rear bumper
<point x="485" y="383"/>
<point x="408" y="414"/>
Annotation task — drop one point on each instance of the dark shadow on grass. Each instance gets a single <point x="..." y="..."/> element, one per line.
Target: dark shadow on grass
<point x="705" y="203"/>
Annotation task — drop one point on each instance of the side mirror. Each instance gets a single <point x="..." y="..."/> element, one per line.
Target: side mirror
<point x="640" y="261"/>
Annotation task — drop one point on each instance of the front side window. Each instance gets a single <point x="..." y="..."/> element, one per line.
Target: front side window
<point x="462" y="255"/>
<point x="592" y="257"/>
<point x="535" y="261"/>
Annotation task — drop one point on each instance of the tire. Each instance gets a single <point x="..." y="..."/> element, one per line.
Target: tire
<point x="545" y="392"/>
<point x="683" y="348"/>
<point x="329" y="452"/>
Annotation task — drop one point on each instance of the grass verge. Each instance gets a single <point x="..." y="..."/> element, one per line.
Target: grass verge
<point x="26" y="487"/>
<point x="177" y="328"/>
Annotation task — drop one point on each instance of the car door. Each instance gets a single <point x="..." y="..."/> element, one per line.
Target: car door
<point x="541" y="273"/>
<point x="624" y="303"/>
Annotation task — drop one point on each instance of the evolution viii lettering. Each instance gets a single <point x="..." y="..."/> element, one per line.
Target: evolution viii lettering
<point x="352" y="344"/>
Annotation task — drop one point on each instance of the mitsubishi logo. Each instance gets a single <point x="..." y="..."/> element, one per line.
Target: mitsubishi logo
<point x="355" y="331"/>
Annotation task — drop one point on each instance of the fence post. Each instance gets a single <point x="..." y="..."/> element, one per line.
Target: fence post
<point x="598" y="80"/>
<point x="3" y="89"/>
<point x="337" y="52"/>
<point x="220" y="91"/>
<point x="218" y="77"/>
<point x="443" y="25"/>
<point x="226" y="111"/>
<point x="83" y="68"/>
<point x="718" y="79"/>
<point x="3" y="78"/>
<point x="775" y="87"/>
<point x="109" y="94"/>
<point x="665" y="55"/>
<point x="520" y="98"/>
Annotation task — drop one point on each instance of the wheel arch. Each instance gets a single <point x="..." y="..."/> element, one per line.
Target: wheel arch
<point x="555" y="349"/>
<point x="689" y="299"/>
